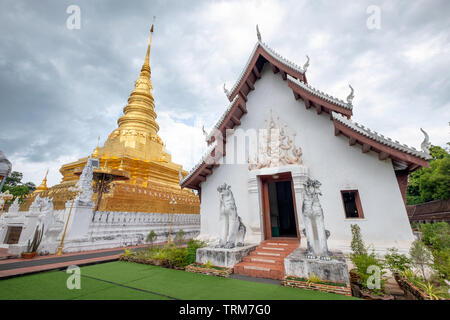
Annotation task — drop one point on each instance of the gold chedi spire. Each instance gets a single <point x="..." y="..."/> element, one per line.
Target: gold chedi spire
<point x="43" y="186"/>
<point x="139" y="114"/>
<point x="137" y="133"/>
<point x="135" y="147"/>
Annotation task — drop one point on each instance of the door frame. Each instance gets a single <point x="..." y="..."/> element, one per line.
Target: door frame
<point x="267" y="226"/>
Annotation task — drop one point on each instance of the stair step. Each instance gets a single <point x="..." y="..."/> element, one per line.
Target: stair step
<point x="267" y="260"/>
<point x="259" y="270"/>
<point x="273" y="248"/>
<point x="277" y="244"/>
<point x="273" y="254"/>
<point x="262" y="260"/>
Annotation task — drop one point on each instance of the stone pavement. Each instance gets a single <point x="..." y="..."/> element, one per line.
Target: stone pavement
<point x="19" y="266"/>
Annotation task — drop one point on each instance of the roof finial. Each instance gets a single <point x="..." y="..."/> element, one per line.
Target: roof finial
<point x="258" y="34"/>
<point x="226" y="90"/>
<point x="425" y="146"/>
<point x="96" y="152"/>
<point x="146" y="65"/>
<point x="306" y="65"/>
<point x="351" y="95"/>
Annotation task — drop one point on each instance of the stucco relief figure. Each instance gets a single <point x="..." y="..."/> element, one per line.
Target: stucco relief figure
<point x="315" y="232"/>
<point x="276" y="148"/>
<point x="233" y="230"/>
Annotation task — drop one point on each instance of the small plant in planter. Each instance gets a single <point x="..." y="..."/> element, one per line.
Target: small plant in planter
<point x="397" y="262"/>
<point x="33" y="246"/>
<point x="366" y="266"/>
<point x="433" y="292"/>
<point x="128" y="253"/>
<point x="313" y="279"/>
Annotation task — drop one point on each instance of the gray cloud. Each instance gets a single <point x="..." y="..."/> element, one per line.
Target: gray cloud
<point x="60" y="89"/>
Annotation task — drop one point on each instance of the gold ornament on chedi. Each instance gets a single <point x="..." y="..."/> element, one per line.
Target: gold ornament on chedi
<point x="136" y="150"/>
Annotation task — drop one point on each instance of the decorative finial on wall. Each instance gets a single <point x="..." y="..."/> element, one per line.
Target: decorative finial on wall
<point x="226" y="90"/>
<point x="351" y="95"/>
<point x="425" y="146"/>
<point x="306" y="65"/>
<point x="258" y="34"/>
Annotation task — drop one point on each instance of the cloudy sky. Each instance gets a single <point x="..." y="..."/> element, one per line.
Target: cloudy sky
<point x="61" y="88"/>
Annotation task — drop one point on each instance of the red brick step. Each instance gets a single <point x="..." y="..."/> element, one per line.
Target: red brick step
<point x="267" y="260"/>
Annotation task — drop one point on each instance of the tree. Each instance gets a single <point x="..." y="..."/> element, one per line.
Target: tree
<point x="151" y="237"/>
<point x="357" y="243"/>
<point x="14" y="179"/>
<point x="420" y="256"/>
<point x="14" y="184"/>
<point x="433" y="183"/>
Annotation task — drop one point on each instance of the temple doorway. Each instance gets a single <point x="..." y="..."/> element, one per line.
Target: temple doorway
<point x="280" y="219"/>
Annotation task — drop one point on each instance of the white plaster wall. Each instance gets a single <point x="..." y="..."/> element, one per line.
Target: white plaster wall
<point x="330" y="160"/>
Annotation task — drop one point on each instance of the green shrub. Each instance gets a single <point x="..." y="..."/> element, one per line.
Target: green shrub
<point x="161" y="255"/>
<point x="179" y="237"/>
<point x="442" y="262"/>
<point x="177" y="257"/>
<point x="436" y="235"/>
<point x="362" y="262"/>
<point x="397" y="262"/>
<point x="192" y="247"/>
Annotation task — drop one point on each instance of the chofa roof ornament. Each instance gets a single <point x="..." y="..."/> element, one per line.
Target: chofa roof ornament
<point x="425" y="146"/>
<point x="351" y="95"/>
<point x="226" y="90"/>
<point x="306" y="65"/>
<point x="258" y="34"/>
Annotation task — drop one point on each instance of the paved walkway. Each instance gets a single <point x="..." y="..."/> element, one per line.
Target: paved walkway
<point x="14" y="267"/>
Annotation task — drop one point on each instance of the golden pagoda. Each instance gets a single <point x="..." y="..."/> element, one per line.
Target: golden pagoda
<point x="136" y="148"/>
<point x="43" y="186"/>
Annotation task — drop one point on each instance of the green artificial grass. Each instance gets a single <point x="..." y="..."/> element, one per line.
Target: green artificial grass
<point x="125" y="280"/>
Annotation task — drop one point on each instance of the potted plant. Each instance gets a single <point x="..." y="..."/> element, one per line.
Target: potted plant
<point x="33" y="246"/>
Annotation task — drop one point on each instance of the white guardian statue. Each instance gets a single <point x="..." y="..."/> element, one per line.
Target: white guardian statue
<point x="315" y="232"/>
<point x="233" y="230"/>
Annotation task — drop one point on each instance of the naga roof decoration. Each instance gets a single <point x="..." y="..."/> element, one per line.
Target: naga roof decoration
<point x="321" y="94"/>
<point x="205" y="156"/>
<point x="221" y="119"/>
<point x="290" y="66"/>
<point x="379" y="137"/>
<point x="403" y="157"/>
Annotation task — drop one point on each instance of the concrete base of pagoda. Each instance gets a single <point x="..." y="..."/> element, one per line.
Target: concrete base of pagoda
<point x="108" y="230"/>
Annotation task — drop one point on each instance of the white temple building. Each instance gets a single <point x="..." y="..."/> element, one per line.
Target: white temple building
<point x="277" y="132"/>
